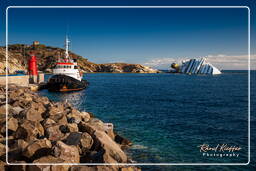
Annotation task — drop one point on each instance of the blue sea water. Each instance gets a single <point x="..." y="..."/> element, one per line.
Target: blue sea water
<point x="167" y="116"/>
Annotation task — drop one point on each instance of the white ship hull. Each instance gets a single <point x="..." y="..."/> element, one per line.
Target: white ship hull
<point x="198" y="66"/>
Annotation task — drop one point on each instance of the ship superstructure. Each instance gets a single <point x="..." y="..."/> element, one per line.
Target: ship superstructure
<point x="196" y="66"/>
<point x="66" y="74"/>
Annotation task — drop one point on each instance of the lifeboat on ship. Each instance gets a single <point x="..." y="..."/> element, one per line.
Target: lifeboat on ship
<point x="66" y="75"/>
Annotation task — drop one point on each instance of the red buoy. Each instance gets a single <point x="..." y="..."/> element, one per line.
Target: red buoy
<point x="32" y="66"/>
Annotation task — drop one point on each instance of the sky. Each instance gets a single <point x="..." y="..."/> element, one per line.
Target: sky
<point x="154" y="37"/>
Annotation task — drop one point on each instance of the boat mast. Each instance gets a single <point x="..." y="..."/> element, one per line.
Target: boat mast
<point x="66" y="44"/>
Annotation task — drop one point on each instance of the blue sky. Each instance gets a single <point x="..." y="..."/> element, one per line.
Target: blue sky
<point x="154" y="37"/>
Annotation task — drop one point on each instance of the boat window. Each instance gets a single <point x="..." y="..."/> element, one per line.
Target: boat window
<point x="76" y="67"/>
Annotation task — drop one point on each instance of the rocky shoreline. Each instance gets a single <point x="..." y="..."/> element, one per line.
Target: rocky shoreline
<point x="43" y="131"/>
<point x="47" y="57"/>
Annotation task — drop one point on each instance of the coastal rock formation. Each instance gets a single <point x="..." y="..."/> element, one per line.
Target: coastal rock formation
<point x="59" y="134"/>
<point x="13" y="62"/>
<point x="123" y="67"/>
<point x="47" y="57"/>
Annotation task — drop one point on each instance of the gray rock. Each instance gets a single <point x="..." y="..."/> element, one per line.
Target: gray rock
<point x="73" y="138"/>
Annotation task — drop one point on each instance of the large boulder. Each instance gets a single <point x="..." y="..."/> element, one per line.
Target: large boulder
<point x="68" y="153"/>
<point x="109" y="129"/>
<point x="12" y="124"/>
<point x="39" y="147"/>
<point x="73" y="138"/>
<point x="16" y="93"/>
<point x="2" y="97"/>
<point x="57" y="113"/>
<point x="91" y="126"/>
<point x="56" y="109"/>
<point x="3" y="109"/>
<point x="41" y="99"/>
<point x="23" y="101"/>
<point x="72" y="127"/>
<point x="35" y="111"/>
<point x="122" y="141"/>
<point x="86" y="142"/>
<point x="83" y="140"/>
<point x="48" y="159"/>
<point x="2" y="149"/>
<point x="97" y="125"/>
<point x="48" y="122"/>
<point x="85" y="116"/>
<point x="29" y="131"/>
<point x="21" y="144"/>
<point x="54" y="133"/>
<point x="74" y="117"/>
<point x="62" y="120"/>
<point x="58" y="117"/>
<point x="112" y="150"/>
<point x="16" y="110"/>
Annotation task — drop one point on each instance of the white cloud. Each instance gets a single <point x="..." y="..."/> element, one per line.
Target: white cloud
<point x="221" y="61"/>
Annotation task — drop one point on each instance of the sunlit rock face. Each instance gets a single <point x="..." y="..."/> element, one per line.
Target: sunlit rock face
<point x="197" y="66"/>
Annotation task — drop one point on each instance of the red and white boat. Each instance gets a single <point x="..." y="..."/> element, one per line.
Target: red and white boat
<point x="66" y="75"/>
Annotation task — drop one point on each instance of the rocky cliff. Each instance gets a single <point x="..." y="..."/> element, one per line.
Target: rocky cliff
<point x="47" y="57"/>
<point x="42" y="131"/>
<point x="13" y="62"/>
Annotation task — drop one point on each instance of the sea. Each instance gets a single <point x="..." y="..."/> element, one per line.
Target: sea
<point x="174" y="118"/>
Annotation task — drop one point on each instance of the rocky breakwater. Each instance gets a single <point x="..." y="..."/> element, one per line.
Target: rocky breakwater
<point x="42" y="131"/>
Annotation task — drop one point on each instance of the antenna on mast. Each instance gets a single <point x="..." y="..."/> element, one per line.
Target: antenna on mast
<point x="66" y="44"/>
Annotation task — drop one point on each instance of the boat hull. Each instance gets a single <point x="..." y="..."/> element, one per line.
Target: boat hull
<point x="64" y="83"/>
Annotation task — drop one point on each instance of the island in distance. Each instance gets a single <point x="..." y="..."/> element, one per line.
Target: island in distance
<point x="47" y="57"/>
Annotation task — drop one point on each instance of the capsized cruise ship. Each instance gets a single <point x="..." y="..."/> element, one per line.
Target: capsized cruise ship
<point x="195" y="66"/>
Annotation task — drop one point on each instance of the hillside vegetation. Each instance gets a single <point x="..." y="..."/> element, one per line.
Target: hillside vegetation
<point x="48" y="55"/>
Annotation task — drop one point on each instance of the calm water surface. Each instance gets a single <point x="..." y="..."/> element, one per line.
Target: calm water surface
<point x="167" y="116"/>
